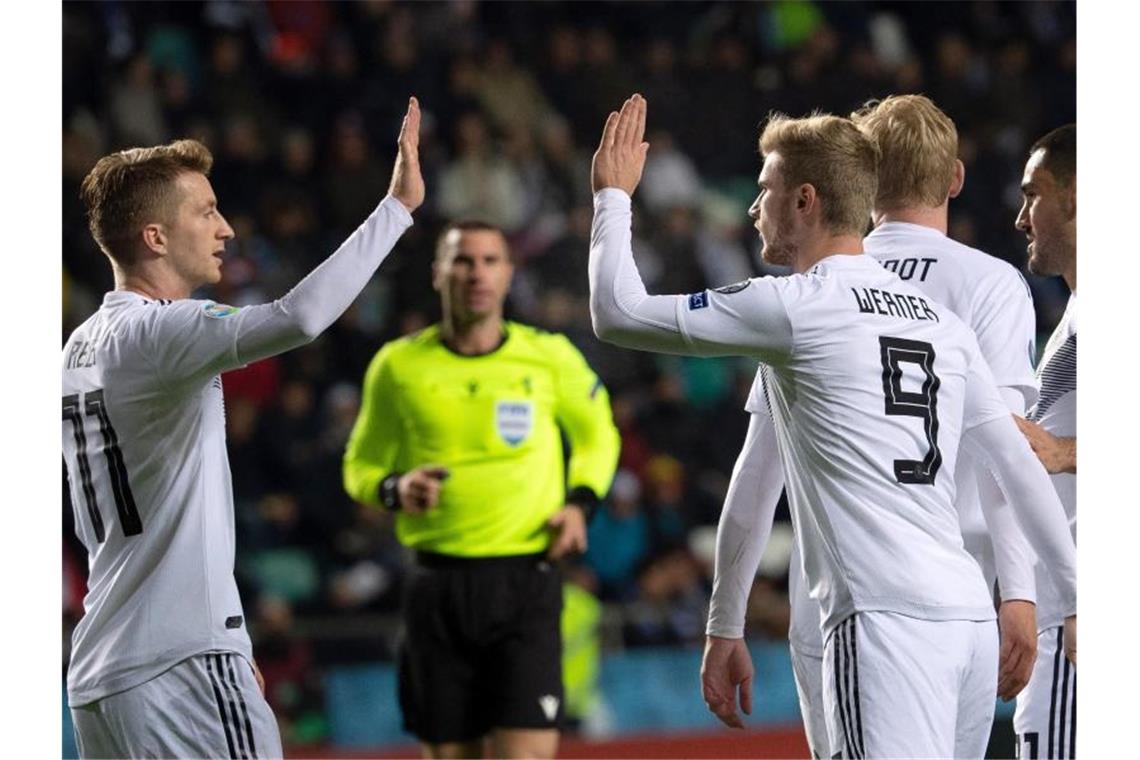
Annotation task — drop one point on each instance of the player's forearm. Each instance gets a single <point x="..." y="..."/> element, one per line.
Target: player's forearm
<point x="744" y="528"/>
<point x="621" y="310"/>
<point x="1012" y="554"/>
<point x="325" y="293"/>
<point x="1030" y="493"/>
<point x="747" y="320"/>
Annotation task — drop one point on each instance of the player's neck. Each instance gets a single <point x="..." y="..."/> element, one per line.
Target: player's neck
<point x="151" y="282"/>
<point x="472" y="338"/>
<point x="811" y="253"/>
<point x="924" y="216"/>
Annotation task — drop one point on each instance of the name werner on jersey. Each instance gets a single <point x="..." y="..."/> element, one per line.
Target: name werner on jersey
<point x="902" y="305"/>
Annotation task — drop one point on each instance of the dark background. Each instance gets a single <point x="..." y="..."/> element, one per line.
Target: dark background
<point x="300" y="103"/>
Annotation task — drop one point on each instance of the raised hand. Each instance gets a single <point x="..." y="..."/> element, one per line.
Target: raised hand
<point x="407" y="182"/>
<point x="620" y="156"/>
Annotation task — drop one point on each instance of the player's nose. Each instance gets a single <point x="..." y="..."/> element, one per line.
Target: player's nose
<point x="754" y="209"/>
<point x="1022" y="220"/>
<point x="226" y="232"/>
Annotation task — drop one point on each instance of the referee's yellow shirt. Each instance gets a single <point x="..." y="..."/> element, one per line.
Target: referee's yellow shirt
<point x="493" y="420"/>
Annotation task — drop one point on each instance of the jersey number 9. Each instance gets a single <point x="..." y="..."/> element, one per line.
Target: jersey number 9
<point x="924" y="404"/>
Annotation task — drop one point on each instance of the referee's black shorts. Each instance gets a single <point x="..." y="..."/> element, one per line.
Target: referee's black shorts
<point x="482" y="646"/>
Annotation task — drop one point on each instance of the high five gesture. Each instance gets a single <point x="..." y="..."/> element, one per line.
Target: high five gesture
<point x="407" y="182"/>
<point x="620" y="157"/>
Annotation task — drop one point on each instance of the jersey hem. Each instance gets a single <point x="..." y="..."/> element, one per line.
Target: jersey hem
<point x="136" y="677"/>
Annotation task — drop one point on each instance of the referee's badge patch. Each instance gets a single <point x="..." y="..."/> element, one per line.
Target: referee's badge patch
<point x="219" y="310"/>
<point x="514" y="420"/>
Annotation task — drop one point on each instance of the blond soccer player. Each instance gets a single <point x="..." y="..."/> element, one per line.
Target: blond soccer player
<point x="871" y="387"/>
<point x="161" y="662"/>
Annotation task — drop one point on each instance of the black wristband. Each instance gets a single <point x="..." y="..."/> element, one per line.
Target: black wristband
<point x="584" y="497"/>
<point x="390" y="492"/>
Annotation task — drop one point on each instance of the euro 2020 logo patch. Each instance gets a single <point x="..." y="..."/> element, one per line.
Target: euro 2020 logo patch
<point x="219" y="310"/>
<point x="514" y="420"/>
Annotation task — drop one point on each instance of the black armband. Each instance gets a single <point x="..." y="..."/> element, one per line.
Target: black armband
<point x="390" y="492"/>
<point x="584" y="497"/>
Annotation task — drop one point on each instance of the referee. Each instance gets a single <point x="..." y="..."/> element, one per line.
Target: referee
<point x="459" y="434"/>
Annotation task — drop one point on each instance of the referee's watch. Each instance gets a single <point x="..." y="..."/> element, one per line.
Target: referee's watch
<point x="585" y="499"/>
<point x="390" y="492"/>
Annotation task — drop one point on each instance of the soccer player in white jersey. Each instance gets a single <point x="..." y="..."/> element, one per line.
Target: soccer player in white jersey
<point x="161" y="662"/>
<point x="919" y="173"/>
<point x="871" y="386"/>
<point x="1046" y="717"/>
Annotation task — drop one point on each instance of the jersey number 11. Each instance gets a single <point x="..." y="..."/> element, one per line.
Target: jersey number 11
<point x="92" y="404"/>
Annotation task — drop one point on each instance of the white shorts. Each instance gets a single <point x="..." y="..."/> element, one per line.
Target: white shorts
<point x="1045" y="720"/>
<point x="206" y="706"/>
<point x="808" y="670"/>
<point x="896" y="686"/>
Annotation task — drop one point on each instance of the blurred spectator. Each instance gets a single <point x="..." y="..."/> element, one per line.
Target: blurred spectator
<point x="671" y="174"/>
<point x="136" y="111"/>
<point x="355" y="179"/>
<point x="618" y="538"/>
<point x="478" y="183"/>
<point x="292" y="685"/>
<point x="509" y="94"/>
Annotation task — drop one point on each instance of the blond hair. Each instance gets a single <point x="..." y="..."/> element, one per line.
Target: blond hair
<point x="127" y="190"/>
<point x="831" y="154"/>
<point x="919" y="147"/>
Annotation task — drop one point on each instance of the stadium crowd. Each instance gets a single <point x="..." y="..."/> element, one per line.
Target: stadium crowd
<point x="299" y="102"/>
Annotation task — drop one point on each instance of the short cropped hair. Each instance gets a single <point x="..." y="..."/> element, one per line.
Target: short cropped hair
<point x="466" y="225"/>
<point x="831" y="154"/>
<point x="1060" y="146"/>
<point x="132" y="188"/>
<point x="918" y="146"/>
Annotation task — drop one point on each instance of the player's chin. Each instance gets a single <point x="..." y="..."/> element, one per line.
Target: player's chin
<point x="775" y="256"/>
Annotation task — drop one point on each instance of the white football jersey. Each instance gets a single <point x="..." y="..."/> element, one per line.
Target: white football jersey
<point x="993" y="299"/>
<point x="1056" y="411"/>
<point x="871" y="385"/>
<point x="869" y="409"/>
<point x="145" y="447"/>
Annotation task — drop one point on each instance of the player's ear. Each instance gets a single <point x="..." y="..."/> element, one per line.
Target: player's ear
<point x="959" y="179"/>
<point x="154" y="238"/>
<point x="806" y="198"/>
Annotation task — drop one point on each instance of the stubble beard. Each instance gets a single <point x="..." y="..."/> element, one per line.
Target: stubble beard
<point x="780" y="251"/>
<point x="1045" y="260"/>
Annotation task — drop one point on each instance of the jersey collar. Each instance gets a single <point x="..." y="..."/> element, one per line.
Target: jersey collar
<point x="886" y="229"/>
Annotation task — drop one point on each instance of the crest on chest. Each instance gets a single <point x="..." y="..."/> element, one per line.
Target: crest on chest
<point x="514" y="420"/>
